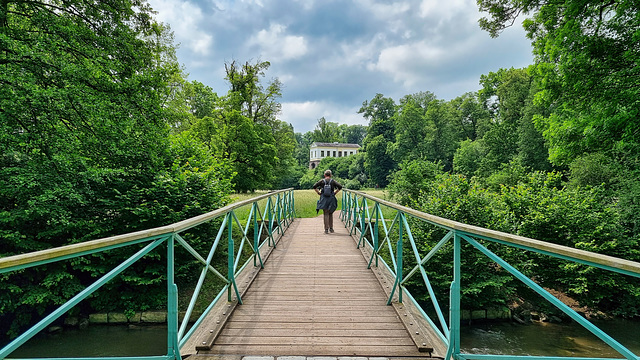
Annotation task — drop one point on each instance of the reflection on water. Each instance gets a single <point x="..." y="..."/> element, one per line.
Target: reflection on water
<point x="537" y="339"/>
<point x="546" y="339"/>
<point x="97" y="341"/>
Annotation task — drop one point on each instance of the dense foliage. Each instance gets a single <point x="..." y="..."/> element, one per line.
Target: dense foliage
<point x="549" y="152"/>
<point x="101" y="134"/>
<point x="86" y="149"/>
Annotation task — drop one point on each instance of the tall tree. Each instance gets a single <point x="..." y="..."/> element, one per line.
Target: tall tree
<point x="85" y="148"/>
<point x="380" y="112"/>
<point x="246" y="121"/>
<point x="325" y="131"/>
<point x="586" y="54"/>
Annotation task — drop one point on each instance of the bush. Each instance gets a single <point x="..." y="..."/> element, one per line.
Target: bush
<point x="353" y="184"/>
<point x="412" y="179"/>
<point x="536" y="207"/>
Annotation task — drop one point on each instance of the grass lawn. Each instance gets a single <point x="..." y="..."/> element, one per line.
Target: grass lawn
<point x="305" y="202"/>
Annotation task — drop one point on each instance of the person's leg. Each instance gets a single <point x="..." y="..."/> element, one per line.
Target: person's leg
<point x="331" y="221"/>
<point x="327" y="216"/>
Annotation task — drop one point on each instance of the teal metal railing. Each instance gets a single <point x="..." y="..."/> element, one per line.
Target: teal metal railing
<point x="362" y="215"/>
<point x="274" y="218"/>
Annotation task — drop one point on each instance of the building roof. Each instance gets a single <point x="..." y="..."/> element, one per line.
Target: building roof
<point x="334" y="144"/>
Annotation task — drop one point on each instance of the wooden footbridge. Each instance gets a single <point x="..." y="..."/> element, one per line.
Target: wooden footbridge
<point x="315" y="296"/>
<point x="290" y="289"/>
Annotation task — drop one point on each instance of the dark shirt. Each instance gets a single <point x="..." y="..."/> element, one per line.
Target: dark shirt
<point x="334" y="184"/>
<point x="329" y="203"/>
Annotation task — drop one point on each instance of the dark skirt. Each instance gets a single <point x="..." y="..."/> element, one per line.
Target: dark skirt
<point x="327" y="203"/>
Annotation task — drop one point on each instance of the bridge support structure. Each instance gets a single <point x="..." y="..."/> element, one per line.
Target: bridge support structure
<point x="376" y="223"/>
<point x="268" y="225"/>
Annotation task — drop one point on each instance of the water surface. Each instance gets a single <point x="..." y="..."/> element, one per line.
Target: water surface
<point x="536" y="339"/>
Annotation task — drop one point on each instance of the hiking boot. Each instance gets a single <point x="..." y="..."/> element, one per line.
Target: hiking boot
<point x="331" y="230"/>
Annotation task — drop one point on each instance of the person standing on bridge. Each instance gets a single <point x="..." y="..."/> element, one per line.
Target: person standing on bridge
<point x="327" y="188"/>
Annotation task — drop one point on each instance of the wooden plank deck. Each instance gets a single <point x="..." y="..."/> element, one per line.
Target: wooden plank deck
<point x="315" y="296"/>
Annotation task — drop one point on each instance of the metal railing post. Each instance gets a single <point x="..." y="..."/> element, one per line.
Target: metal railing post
<point x="454" y="307"/>
<point x="172" y="302"/>
<point x="376" y="243"/>
<point x="293" y="204"/>
<point x="231" y="261"/>
<point x="399" y="258"/>
<point x="256" y="239"/>
<point x="363" y="228"/>
<point x="278" y="208"/>
<point x="270" y="219"/>
<point x="398" y="282"/>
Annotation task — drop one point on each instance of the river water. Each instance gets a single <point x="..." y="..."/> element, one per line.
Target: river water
<point x="542" y="339"/>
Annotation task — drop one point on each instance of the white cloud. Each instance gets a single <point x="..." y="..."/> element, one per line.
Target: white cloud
<point x="304" y="115"/>
<point x="382" y="10"/>
<point x="448" y="10"/>
<point x="275" y="44"/>
<point x="407" y="63"/>
<point x="184" y="18"/>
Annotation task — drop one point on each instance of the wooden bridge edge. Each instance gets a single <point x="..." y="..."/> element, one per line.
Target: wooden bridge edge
<point x="204" y="337"/>
<point x="423" y="336"/>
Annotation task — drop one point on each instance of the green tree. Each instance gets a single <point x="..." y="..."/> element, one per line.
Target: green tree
<point x="586" y="55"/>
<point x="352" y="134"/>
<point x="380" y="136"/>
<point x="85" y="147"/>
<point x="468" y="157"/>
<point x="325" y="131"/>
<point x="471" y="117"/>
<point x="378" y="163"/>
<point x="379" y="112"/>
<point x="425" y="129"/>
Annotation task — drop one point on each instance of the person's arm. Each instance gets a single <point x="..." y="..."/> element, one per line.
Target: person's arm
<point x="338" y="187"/>
<point x="316" y="187"/>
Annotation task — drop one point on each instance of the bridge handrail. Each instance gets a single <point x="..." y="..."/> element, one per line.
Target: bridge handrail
<point x="278" y="214"/>
<point x="362" y="223"/>
<point x="50" y="255"/>
<point x="606" y="261"/>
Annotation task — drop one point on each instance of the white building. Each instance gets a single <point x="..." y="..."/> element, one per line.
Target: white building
<point x="319" y="151"/>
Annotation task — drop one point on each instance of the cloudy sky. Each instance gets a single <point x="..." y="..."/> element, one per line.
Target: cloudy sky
<point x="332" y="55"/>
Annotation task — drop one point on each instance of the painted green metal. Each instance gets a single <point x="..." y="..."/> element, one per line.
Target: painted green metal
<point x="195" y="254"/>
<point x="230" y="261"/>
<point x="563" y="257"/>
<point x="183" y="340"/>
<point x="173" y="351"/>
<point x="8" y="349"/>
<point x="375" y="231"/>
<point x="435" y="249"/>
<point x="203" y="274"/>
<point x="163" y="357"/>
<point x="256" y="237"/>
<point x="552" y="299"/>
<point x="450" y="333"/>
<point x="516" y="357"/>
<point x="177" y="335"/>
<point x="397" y="283"/>
<point x="83" y="253"/>
<point x="363" y="229"/>
<point x="425" y="278"/>
<point x="444" y="337"/>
